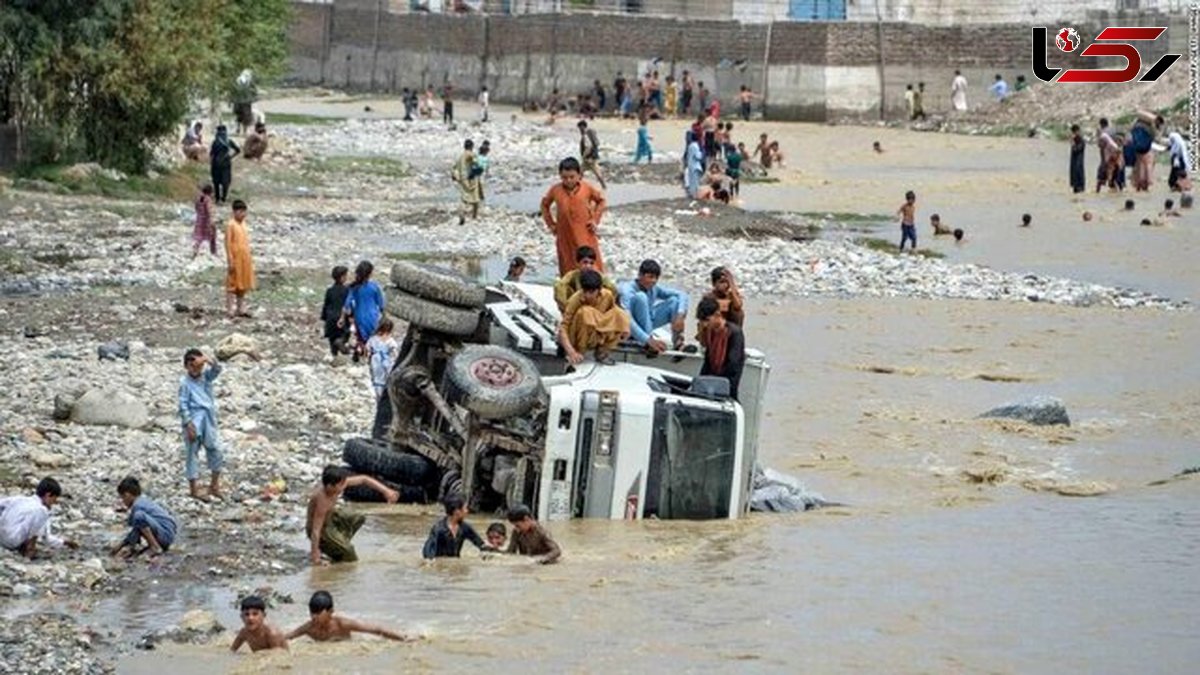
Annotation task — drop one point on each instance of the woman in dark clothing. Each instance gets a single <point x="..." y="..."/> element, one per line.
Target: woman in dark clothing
<point x="1077" y="148"/>
<point x="221" y="154"/>
<point x="724" y="345"/>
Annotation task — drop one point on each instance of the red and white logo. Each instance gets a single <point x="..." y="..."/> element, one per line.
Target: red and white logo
<point x="1067" y="39"/>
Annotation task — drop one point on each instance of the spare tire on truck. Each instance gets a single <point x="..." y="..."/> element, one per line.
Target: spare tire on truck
<point x="438" y="284"/>
<point x="378" y="459"/>
<point x="424" y="313"/>
<point x="493" y="382"/>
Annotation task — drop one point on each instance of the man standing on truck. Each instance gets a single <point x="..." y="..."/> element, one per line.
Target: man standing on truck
<point x="651" y="305"/>
<point x="577" y="210"/>
<point x="724" y="345"/>
<point x="568" y="284"/>
<point x="592" y="320"/>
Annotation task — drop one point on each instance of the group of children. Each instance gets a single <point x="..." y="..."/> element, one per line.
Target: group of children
<point x="358" y="310"/>
<point x="322" y="625"/>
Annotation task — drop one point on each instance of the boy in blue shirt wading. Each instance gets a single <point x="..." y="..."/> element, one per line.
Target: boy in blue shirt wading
<point x="148" y="522"/>
<point x="198" y="412"/>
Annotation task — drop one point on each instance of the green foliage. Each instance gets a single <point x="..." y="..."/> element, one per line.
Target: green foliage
<point x="108" y="78"/>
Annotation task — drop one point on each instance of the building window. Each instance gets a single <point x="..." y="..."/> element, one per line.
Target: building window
<point x="817" y="10"/>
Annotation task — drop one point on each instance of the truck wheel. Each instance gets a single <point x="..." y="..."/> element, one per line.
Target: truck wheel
<point x="409" y="494"/>
<point x="493" y="382"/>
<point x="428" y="314"/>
<point x="438" y="284"/>
<point x="377" y="459"/>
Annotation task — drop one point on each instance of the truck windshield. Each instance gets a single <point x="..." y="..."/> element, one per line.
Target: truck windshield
<point x="691" y="462"/>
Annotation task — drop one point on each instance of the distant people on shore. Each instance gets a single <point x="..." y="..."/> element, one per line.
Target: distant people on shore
<point x="1144" y="133"/>
<point x="468" y="182"/>
<point x="192" y="144"/>
<point x="958" y="92"/>
<point x="255" y="144"/>
<point x="1026" y="220"/>
<point x="999" y="88"/>
<point x="1078" y="145"/>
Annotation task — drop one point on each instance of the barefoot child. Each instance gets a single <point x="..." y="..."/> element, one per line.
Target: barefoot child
<point x="255" y="631"/>
<point x="25" y="519"/>
<point x="198" y="413"/>
<point x="383" y="351"/>
<point x="204" y="232"/>
<point x="239" y="279"/>
<point x="908" y="220"/>
<point x="331" y="311"/>
<point x="323" y="626"/>
<point x="330" y="529"/>
<point x="148" y="522"/>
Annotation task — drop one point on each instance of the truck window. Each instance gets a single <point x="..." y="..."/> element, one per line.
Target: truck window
<point x="691" y="462"/>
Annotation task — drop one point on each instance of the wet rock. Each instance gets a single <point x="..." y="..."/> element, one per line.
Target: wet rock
<point x="111" y="351"/>
<point x="32" y="436"/>
<point x="236" y="344"/>
<point x="1039" y="410"/>
<point x="200" y="621"/>
<point x="34" y="332"/>
<point x="50" y="460"/>
<point x="64" y="401"/>
<point x="106" y="407"/>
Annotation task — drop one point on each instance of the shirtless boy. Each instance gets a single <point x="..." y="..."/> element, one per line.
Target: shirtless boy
<point x="255" y="631"/>
<point x="323" y="626"/>
<point x="908" y="220"/>
<point x="329" y="529"/>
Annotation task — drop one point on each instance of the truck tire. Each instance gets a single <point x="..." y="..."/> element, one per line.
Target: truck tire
<point x="409" y="494"/>
<point x="438" y="284"/>
<point x="493" y="382"/>
<point x="377" y="459"/>
<point x="455" y="321"/>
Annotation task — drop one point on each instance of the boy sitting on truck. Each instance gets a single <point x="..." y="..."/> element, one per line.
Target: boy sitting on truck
<point x="568" y="284"/>
<point x="651" y="305"/>
<point x="592" y="320"/>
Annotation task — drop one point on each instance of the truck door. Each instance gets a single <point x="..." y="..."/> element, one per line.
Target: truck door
<point x="595" y="455"/>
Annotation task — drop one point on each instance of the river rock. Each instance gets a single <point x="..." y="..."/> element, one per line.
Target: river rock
<point x="111" y="351"/>
<point x="50" y="460"/>
<point x="1039" y="410"/>
<point x="32" y="436"/>
<point x="106" y="407"/>
<point x="64" y="400"/>
<point x="200" y="621"/>
<point x="234" y="344"/>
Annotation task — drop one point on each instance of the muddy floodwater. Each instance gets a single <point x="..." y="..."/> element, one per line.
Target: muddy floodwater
<point x="955" y="550"/>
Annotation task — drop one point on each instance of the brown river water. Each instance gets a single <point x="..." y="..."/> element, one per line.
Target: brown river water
<point x="872" y="403"/>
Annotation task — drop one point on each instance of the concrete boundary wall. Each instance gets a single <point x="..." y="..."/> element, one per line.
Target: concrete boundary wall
<point x="804" y="70"/>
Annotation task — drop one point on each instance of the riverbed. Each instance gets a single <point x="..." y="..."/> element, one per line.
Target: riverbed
<point x="955" y="550"/>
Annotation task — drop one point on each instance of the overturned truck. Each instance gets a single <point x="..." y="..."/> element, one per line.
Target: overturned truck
<point x="482" y="403"/>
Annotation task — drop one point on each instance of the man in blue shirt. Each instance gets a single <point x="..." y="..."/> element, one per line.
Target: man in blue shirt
<point x="651" y="305"/>
<point x="198" y="413"/>
<point x="148" y="522"/>
<point x="999" y="88"/>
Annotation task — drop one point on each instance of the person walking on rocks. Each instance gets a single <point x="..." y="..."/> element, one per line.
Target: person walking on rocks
<point x="470" y="188"/>
<point x="958" y="91"/>
<point x="239" y="277"/>
<point x="572" y="211"/>
<point x="908" y="220"/>
<point x="198" y="414"/>
<point x="364" y="306"/>
<point x="589" y="151"/>
<point x="220" y="156"/>
<point x="643" y="144"/>
<point x="1078" y="145"/>
<point x="329" y="529"/>
<point x="24" y="520"/>
<point x="203" y="231"/>
<point x="331" y="311"/>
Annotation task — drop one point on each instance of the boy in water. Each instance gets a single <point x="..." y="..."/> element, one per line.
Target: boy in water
<point x="908" y="220"/>
<point x="935" y="221"/>
<point x="148" y="522"/>
<point x="530" y="538"/>
<point x="323" y="626"/>
<point x="255" y="631"/>
<point x="496" y="535"/>
<point x="1169" y="210"/>
<point x="329" y="529"/>
<point x="1026" y="220"/>
<point x="448" y="534"/>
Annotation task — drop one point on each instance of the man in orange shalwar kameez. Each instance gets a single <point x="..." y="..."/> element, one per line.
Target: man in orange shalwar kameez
<point x="239" y="278"/>
<point x="578" y="208"/>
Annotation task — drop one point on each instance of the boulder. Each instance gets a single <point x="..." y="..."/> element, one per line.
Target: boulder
<point x="111" y="351"/>
<point x="200" y="621"/>
<point x="64" y="401"/>
<point x="234" y="344"/>
<point x="110" y="408"/>
<point x="1038" y="410"/>
<point x="50" y="460"/>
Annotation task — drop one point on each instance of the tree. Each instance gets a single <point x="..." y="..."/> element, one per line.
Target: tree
<point x="252" y="34"/>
